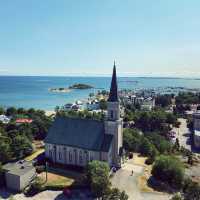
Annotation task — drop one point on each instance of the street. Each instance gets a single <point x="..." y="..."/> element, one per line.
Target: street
<point x="183" y="134"/>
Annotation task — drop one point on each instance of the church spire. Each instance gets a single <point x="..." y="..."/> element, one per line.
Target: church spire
<point x="113" y="96"/>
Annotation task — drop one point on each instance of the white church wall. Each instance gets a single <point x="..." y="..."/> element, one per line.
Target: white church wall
<point x="70" y="155"/>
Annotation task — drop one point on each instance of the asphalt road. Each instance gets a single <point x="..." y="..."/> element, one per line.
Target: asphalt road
<point x="183" y="134"/>
<point x="124" y="180"/>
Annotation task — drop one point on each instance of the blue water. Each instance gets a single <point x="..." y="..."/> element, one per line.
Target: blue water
<point x="33" y="91"/>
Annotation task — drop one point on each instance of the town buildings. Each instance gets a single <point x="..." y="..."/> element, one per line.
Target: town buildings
<point x="196" y="126"/>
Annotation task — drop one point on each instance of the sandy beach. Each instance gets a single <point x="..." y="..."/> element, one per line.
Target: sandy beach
<point x="49" y="112"/>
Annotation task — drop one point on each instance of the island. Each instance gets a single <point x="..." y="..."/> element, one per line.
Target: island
<point x="72" y="87"/>
<point x="80" y="86"/>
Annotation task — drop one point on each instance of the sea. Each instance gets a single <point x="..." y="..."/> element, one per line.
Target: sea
<point x="33" y="91"/>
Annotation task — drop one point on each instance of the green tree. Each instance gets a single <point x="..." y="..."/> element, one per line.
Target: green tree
<point x="163" y="100"/>
<point x="170" y="170"/>
<point x="2" y="181"/>
<point x="192" y="192"/>
<point x="187" y="98"/>
<point x="115" y="194"/>
<point x="11" y="111"/>
<point x="98" y="177"/>
<point x="21" y="146"/>
<point x="103" y="104"/>
<point x="176" y="197"/>
<point x="161" y="144"/>
<point x="147" y="148"/>
<point x="131" y="140"/>
<point x="21" y="111"/>
<point x="57" y="108"/>
<point x="5" y="150"/>
<point x="2" y="111"/>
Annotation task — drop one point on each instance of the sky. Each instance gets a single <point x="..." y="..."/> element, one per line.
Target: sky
<point x="84" y="37"/>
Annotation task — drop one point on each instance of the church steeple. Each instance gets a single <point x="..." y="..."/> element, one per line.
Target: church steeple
<point x="113" y="96"/>
<point x="113" y="123"/>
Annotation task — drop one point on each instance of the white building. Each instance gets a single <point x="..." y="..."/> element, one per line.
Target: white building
<point x="93" y="105"/>
<point x="4" y="119"/>
<point x="196" y="126"/>
<point x="76" y="141"/>
<point x="19" y="175"/>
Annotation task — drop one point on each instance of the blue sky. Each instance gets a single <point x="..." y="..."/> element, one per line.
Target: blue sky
<point x="73" y="37"/>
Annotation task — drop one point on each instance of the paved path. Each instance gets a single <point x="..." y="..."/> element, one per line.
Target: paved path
<point x="46" y="195"/>
<point x="124" y="180"/>
<point x="183" y="134"/>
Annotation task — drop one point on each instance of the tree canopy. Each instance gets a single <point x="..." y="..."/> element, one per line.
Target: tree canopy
<point x="98" y="177"/>
<point x="170" y="170"/>
<point x="97" y="173"/>
<point x="16" y="139"/>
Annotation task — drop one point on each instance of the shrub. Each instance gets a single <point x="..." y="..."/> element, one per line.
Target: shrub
<point x="130" y="155"/>
<point x="191" y="190"/>
<point x="176" y="197"/>
<point x="35" y="187"/>
<point x="149" y="161"/>
<point x="148" y="149"/>
<point x="2" y="179"/>
<point x="40" y="169"/>
<point x="169" y="170"/>
<point x="115" y="194"/>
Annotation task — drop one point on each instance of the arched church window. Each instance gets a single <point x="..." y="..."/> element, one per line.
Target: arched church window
<point x="65" y="153"/>
<point x="75" y="155"/>
<point x="80" y="157"/>
<point x="91" y="157"/>
<point x="60" y="155"/>
<point x="50" y="154"/>
<point x="86" y="155"/>
<point x="111" y="114"/>
<point x="70" y="156"/>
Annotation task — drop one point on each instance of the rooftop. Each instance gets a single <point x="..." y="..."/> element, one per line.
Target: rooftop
<point x="81" y="133"/>
<point x="18" y="168"/>
<point x="197" y="114"/>
<point x="197" y="133"/>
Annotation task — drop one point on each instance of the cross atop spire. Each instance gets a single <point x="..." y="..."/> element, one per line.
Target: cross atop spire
<point x="113" y="96"/>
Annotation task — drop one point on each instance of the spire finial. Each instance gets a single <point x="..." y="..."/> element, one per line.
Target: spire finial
<point x="113" y="97"/>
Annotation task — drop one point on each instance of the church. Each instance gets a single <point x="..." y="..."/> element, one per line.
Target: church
<point x="75" y="141"/>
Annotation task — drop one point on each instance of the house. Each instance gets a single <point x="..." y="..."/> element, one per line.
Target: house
<point x="76" y="141"/>
<point x="23" y="120"/>
<point x="19" y="175"/>
<point x="196" y="122"/>
<point x="4" y="119"/>
<point x="68" y="106"/>
<point x="148" y="104"/>
<point x="93" y="105"/>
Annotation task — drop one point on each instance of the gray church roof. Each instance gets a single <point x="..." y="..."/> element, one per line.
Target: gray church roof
<point x="81" y="133"/>
<point x="113" y="96"/>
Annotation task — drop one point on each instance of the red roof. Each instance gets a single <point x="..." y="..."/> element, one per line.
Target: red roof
<point x="24" y="121"/>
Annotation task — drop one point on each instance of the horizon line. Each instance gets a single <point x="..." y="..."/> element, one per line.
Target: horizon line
<point x="102" y="75"/>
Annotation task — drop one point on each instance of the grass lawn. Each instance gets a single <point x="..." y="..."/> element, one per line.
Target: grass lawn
<point x="143" y="178"/>
<point x="60" y="178"/>
<point x="34" y="155"/>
